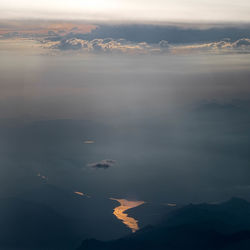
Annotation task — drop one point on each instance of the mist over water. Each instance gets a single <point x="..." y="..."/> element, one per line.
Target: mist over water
<point x="175" y="126"/>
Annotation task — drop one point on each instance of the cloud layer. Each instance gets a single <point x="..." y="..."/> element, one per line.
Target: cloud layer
<point x="109" y="45"/>
<point x="242" y="44"/>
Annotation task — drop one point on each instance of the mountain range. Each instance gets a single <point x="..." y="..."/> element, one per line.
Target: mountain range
<point x="196" y="226"/>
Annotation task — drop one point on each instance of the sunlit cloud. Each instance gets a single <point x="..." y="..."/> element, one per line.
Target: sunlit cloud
<point x="98" y="45"/>
<point x="120" y="46"/>
<point x="226" y="46"/>
<point x="41" y="28"/>
<point x="110" y="45"/>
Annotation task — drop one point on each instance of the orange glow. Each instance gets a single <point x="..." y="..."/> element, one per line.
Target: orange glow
<point x="62" y="28"/>
<point x="124" y="206"/>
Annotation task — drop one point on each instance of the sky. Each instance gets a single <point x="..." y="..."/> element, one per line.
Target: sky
<point x="225" y="11"/>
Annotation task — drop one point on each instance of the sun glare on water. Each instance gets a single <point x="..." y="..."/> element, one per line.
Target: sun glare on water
<point x="120" y="215"/>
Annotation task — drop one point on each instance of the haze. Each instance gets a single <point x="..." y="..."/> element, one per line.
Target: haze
<point x="127" y="10"/>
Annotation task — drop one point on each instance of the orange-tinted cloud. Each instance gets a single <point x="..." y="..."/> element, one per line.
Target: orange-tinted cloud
<point x="43" y="27"/>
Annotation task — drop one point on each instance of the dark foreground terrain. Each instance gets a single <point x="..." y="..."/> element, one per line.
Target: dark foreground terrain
<point x="204" y="226"/>
<point x="31" y="225"/>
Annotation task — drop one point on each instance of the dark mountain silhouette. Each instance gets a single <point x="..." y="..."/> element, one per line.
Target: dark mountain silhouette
<point x="25" y="224"/>
<point x="205" y="226"/>
<point x="150" y="213"/>
<point x="89" y="217"/>
<point x="48" y="217"/>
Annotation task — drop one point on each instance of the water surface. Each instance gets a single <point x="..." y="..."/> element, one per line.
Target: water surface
<point x="120" y="214"/>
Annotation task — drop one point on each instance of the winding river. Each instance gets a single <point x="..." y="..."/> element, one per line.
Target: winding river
<point x="120" y="214"/>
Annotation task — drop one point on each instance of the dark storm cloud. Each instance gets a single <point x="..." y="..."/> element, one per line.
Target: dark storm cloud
<point x="153" y="34"/>
<point x="102" y="164"/>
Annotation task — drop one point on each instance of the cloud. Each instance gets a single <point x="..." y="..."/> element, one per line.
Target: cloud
<point x="242" y="43"/>
<point x="164" y="45"/>
<point x="177" y="33"/>
<point x="102" y="164"/>
<point x="34" y="29"/>
<point x="109" y="45"/>
<point x="70" y="44"/>
<point x="174" y="34"/>
<point x="225" y="45"/>
<point x="87" y="43"/>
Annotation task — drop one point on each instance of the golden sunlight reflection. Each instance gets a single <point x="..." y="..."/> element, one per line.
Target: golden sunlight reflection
<point x="124" y="206"/>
